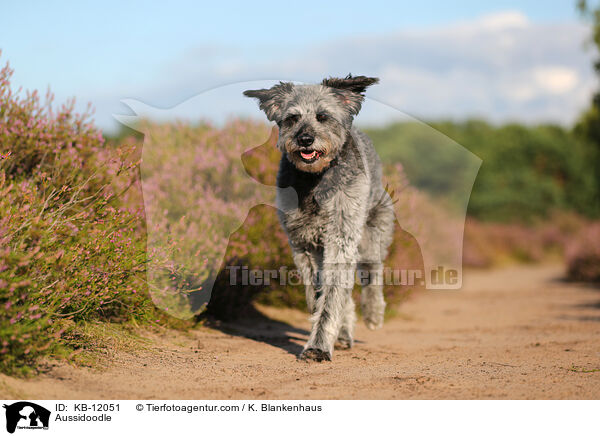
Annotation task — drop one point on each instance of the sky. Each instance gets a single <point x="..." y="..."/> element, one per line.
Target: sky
<point x="499" y="60"/>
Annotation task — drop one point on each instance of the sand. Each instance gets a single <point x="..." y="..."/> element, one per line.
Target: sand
<point x="513" y="333"/>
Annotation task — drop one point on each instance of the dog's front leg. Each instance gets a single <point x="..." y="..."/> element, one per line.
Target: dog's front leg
<point x="343" y="233"/>
<point x="307" y="264"/>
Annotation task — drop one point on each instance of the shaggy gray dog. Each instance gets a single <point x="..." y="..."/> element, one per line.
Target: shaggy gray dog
<point x="343" y="219"/>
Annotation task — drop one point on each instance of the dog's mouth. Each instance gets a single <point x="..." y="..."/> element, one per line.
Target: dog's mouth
<point x="310" y="156"/>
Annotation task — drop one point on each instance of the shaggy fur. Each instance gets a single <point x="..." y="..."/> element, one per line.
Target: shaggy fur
<point x="343" y="219"/>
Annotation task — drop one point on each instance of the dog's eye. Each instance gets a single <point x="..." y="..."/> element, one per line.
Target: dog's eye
<point x="291" y="119"/>
<point x="322" y="117"/>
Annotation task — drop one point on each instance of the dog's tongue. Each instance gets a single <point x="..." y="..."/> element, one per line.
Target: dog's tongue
<point x="310" y="155"/>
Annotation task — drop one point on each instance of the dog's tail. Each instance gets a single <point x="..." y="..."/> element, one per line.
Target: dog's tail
<point x="391" y="194"/>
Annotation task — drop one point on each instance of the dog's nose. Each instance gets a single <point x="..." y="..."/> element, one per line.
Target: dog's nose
<point x="305" y="140"/>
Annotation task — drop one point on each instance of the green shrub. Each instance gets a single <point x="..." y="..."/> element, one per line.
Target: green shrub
<point x="527" y="172"/>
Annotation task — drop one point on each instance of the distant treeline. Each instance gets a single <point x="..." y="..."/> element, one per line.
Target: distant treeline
<point x="527" y="173"/>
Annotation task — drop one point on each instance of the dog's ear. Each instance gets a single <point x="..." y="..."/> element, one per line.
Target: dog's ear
<point x="356" y="84"/>
<point x="271" y="100"/>
<point x="351" y="89"/>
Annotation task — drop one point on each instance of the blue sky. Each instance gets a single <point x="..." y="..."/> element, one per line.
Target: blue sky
<point x="496" y="59"/>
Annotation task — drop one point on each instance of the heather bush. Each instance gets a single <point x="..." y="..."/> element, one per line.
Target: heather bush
<point x="196" y="194"/>
<point x="583" y="255"/>
<point x="489" y="244"/>
<point x="69" y="250"/>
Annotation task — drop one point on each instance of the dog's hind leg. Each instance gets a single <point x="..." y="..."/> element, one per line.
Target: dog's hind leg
<point x="346" y="336"/>
<point x="372" y="303"/>
<point x="376" y="238"/>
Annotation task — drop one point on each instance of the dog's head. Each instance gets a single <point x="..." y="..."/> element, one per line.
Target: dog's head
<point x="314" y="120"/>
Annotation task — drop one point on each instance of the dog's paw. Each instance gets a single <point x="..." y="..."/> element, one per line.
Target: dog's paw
<point x="344" y="344"/>
<point x="315" y="354"/>
<point x="374" y="324"/>
<point x="372" y="307"/>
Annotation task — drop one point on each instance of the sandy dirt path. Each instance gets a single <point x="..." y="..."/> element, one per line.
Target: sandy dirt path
<point x="512" y="333"/>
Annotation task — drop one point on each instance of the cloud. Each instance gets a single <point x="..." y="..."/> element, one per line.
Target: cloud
<point x="501" y="21"/>
<point x="500" y="67"/>
<point x="556" y="79"/>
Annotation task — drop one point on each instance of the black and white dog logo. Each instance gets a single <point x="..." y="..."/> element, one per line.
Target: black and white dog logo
<point x="26" y="415"/>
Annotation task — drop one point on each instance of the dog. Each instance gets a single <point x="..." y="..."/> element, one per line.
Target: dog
<point x="340" y="224"/>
